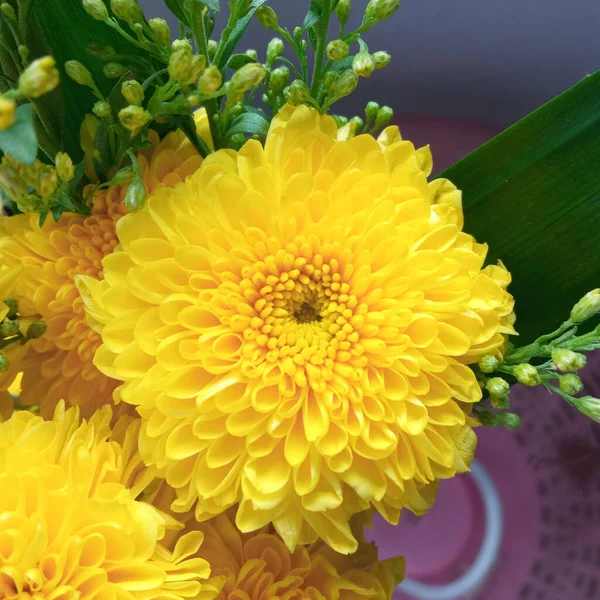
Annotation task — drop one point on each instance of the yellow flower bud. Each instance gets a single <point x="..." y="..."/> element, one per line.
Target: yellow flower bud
<point x="8" y="11"/>
<point x="114" y="70"/>
<point x="134" y="117"/>
<point x="267" y="17"/>
<point x="568" y="361"/>
<point x="571" y="384"/>
<point x="181" y="45"/>
<point x="128" y="10"/>
<point x="342" y="10"/>
<point x="212" y="48"/>
<point x="7" y="113"/>
<point x="135" y="196"/>
<point x="499" y="390"/>
<point x="363" y="64"/>
<point x="337" y="50"/>
<point x="298" y="93"/>
<point x="589" y="406"/>
<point x="39" y="78"/>
<point x="185" y="67"/>
<point x="102" y="109"/>
<point x="279" y="79"/>
<point x="13" y="184"/>
<point x="133" y="92"/>
<point x="64" y="166"/>
<point x="79" y="73"/>
<point x="47" y="181"/>
<point x="160" y="29"/>
<point x="381" y="59"/>
<point x="587" y="307"/>
<point x="96" y="9"/>
<point x="527" y="374"/>
<point x="247" y="77"/>
<point x="210" y="81"/>
<point x="344" y="84"/>
<point x="274" y="50"/>
<point x="379" y="10"/>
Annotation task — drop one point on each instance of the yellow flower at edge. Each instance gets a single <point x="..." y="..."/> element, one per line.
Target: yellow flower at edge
<point x="71" y="525"/>
<point x="59" y="365"/>
<point x="293" y="324"/>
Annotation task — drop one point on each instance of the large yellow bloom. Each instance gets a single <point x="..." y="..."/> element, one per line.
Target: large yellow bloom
<point x="60" y="364"/>
<point x="71" y="526"/>
<point x="293" y="325"/>
<point x="258" y="566"/>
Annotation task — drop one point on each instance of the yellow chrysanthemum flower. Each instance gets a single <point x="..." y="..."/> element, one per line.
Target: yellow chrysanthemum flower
<point x="293" y="324"/>
<point x="60" y="364"/>
<point x="259" y="566"/>
<point x="71" y="526"/>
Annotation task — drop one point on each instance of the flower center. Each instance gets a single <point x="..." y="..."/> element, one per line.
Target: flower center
<point x="306" y="313"/>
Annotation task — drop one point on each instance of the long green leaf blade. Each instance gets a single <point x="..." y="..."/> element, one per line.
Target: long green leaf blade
<point x="533" y="194"/>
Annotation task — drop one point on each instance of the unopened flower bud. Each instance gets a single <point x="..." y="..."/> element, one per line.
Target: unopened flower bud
<point x="340" y="120"/>
<point x="39" y="78"/>
<point x="384" y="117"/>
<point x="363" y="64"/>
<point x="357" y="123"/>
<point x="589" y="406"/>
<point x="135" y="196"/>
<point x="64" y="166"/>
<point x="253" y="54"/>
<point x="128" y="10"/>
<point x="381" y="59"/>
<point x="4" y="363"/>
<point x="79" y="73"/>
<point x="23" y="51"/>
<point x="499" y="390"/>
<point x="587" y="307"/>
<point x="96" y="9"/>
<point x="344" y="84"/>
<point x="36" y="330"/>
<point x="123" y="176"/>
<point x="488" y="364"/>
<point x="571" y="384"/>
<point x="134" y="117"/>
<point x="267" y="17"/>
<point x="298" y="33"/>
<point x="510" y="421"/>
<point x="371" y="111"/>
<point x="47" y="182"/>
<point x="247" y="77"/>
<point x="298" y="93"/>
<point x="527" y="374"/>
<point x="212" y="48"/>
<point x="133" y="92"/>
<point x="161" y="30"/>
<point x="7" y="113"/>
<point x="114" y="70"/>
<point x="379" y="10"/>
<point x="279" y="79"/>
<point x="337" y="50"/>
<point x="274" y="50"/>
<point x="13" y="307"/>
<point x="8" y="11"/>
<point x="102" y="52"/>
<point x="9" y="328"/>
<point x="102" y="109"/>
<point x="181" y="45"/>
<point x="210" y="81"/>
<point x="13" y="184"/>
<point x="489" y="419"/>
<point x="342" y="11"/>
<point x="568" y="361"/>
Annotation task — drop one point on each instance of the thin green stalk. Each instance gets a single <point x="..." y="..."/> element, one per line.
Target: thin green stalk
<point x="322" y="31"/>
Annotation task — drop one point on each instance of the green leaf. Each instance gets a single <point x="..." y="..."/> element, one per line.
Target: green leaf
<point x="20" y="140"/>
<point x="176" y="7"/>
<point x="311" y="18"/>
<point x="249" y="124"/>
<point x="212" y="4"/>
<point x="237" y="61"/>
<point x="533" y="194"/>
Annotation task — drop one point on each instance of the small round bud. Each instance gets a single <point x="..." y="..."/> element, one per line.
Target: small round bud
<point x="47" y="182"/>
<point x="39" y="78"/>
<point x="102" y="52"/>
<point x="510" y="421"/>
<point x="36" y="330"/>
<point x="180" y="65"/>
<point x="298" y="93"/>
<point x="384" y="117"/>
<point x="114" y="70"/>
<point x="297" y="33"/>
<point x="363" y="64"/>
<point x="279" y="79"/>
<point x="379" y="10"/>
<point x="96" y="9"/>
<point x="128" y="10"/>
<point x="499" y="390"/>
<point x="589" y="406"/>
<point x="267" y="17"/>
<point x="8" y="11"/>
<point x="340" y="120"/>
<point x="489" y="419"/>
<point x="134" y="117"/>
<point x="7" y="113"/>
<point x="210" y="81"/>
<point x="13" y="307"/>
<point x="381" y="59"/>
<point x="344" y="84"/>
<point x="568" y="361"/>
<point x="274" y="50"/>
<point x="342" y="11"/>
<point x="527" y="374"/>
<point x="102" y="109"/>
<point x="79" y="73"/>
<point x="371" y="111"/>
<point x="23" y="51"/>
<point x="64" y="166"/>
<point x="247" y="77"/>
<point x="252" y="53"/>
<point x="9" y="328"/>
<point x="181" y="45"/>
<point x="337" y="50"/>
<point x="212" y="48"/>
<point x="357" y="123"/>
<point x="571" y="384"/>
<point x="133" y="92"/>
<point x="488" y="364"/>
<point x="123" y="176"/>
<point x="4" y="363"/>
<point x="135" y="196"/>
<point x="587" y="307"/>
<point x="13" y="184"/>
<point x="161" y="30"/>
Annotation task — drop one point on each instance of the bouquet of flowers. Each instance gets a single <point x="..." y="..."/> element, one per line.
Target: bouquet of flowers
<point x="235" y="323"/>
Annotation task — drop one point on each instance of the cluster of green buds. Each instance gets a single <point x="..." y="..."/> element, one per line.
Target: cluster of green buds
<point x="552" y="361"/>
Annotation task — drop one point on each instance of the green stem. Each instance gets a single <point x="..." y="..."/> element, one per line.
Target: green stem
<point x="322" y="31"/>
